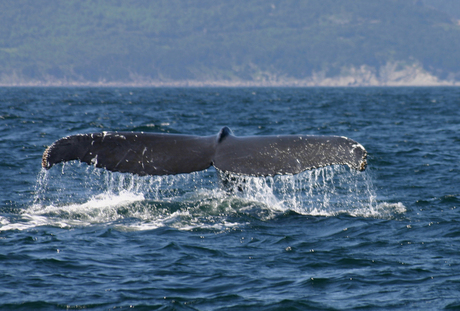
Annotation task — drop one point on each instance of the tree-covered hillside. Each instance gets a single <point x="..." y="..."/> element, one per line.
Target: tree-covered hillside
<point x="54" y="41"/>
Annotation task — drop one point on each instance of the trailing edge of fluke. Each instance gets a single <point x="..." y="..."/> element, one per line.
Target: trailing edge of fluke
<point x="167" y="154"/>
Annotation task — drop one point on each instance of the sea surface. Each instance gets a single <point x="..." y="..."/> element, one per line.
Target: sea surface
<point x="79" y="237"/>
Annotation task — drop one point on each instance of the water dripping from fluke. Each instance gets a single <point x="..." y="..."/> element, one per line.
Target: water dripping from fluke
<point x="80" y="195"/>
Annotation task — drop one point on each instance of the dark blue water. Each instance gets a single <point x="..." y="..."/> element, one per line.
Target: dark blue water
<point x="77" y="237"/>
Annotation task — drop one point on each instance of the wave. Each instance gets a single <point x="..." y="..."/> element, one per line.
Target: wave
<point x="80" y="195"/>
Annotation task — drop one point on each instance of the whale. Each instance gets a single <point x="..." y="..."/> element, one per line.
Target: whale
<point x="169" y="154"/>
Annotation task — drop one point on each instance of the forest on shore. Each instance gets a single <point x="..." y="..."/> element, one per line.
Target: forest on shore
<point x="220" y="42"/>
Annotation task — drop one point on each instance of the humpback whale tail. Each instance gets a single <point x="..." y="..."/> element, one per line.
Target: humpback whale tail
<point x="166" y="154"/>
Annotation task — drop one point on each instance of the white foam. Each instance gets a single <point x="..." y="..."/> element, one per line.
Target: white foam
<point x="101" y="208"/>
<point x="191" y="201"/>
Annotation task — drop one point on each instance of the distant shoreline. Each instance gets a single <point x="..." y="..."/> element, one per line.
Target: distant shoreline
<point x="217" y="84"/>
<point x="363" y="76"/>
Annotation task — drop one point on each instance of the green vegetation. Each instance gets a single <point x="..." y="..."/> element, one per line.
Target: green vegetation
<point x="167" y="40"/>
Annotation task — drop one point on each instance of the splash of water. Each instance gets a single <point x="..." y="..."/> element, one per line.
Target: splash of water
<point x="326" y="191"/>
<point x="80" y="195"/>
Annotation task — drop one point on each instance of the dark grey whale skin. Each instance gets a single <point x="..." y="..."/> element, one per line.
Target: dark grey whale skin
<point x="168" y="154"/>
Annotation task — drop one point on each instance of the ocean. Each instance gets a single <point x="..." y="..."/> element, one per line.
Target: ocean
<point x="80" y="237"/>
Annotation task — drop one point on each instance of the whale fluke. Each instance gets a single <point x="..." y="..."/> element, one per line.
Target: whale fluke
<point x="168" y="154"/>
